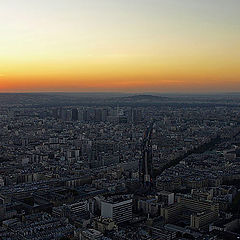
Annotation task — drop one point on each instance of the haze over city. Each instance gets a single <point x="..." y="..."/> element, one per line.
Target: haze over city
<point x="124" y="46"/>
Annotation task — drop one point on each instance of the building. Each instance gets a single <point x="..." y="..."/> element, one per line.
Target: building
<point x="119" y="209"/>
<point x="166" y="197"/>
<point x="104" y="224"/>
<point x="74" y="114"/>
<point x="202" y="220"/>
<point x="171" y="213"/>
<point x="90" y="234"/>
<point x="78" y="208"/>
<point x="162" y="234"/>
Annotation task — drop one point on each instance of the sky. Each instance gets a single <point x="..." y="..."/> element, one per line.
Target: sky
<point x="120" y="45"/>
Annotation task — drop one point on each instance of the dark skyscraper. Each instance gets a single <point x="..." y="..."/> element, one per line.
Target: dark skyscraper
<point x="74" y="114"/>
<point x="98" y="115"/>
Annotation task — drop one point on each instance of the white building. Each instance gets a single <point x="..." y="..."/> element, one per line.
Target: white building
<point x="119" y="209"/>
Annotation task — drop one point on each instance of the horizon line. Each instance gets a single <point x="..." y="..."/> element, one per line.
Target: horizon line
<point x="120" y="92"/>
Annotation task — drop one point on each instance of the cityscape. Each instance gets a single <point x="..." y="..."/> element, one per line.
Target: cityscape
<point x="121" y="167"/>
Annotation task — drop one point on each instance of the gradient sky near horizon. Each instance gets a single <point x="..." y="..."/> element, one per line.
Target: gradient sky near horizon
<point x="120" y="45"/>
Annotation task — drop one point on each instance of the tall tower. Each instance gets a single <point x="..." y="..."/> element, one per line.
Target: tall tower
<point x="145" y="166"/>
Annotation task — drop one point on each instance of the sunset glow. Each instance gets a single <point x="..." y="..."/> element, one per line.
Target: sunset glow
<point x="124" y="45"/>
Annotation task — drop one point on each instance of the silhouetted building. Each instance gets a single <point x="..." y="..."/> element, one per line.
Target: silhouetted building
<point x="74" y="114"/>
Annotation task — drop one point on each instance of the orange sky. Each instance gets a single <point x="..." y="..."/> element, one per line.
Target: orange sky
<point x="144" y="45"/>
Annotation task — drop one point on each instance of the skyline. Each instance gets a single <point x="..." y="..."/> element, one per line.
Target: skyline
<point x="120" y="46"/>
